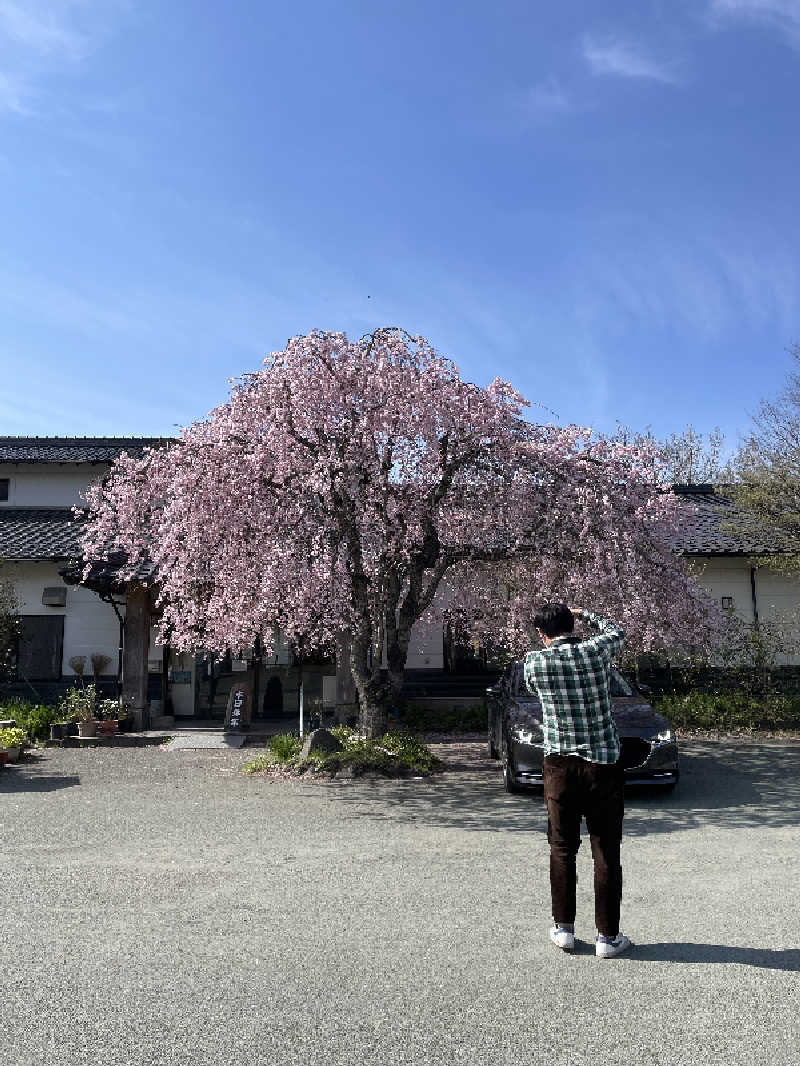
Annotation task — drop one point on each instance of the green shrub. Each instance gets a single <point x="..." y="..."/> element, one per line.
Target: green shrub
<point x="281" y="750"/>
<point x="34" y="718"/>
<point x="284" y="748"/>
<point x="410" y="751"/>
<point x="259" y="764"/>
<point x="12" y="738"/>
<point x="396" y="751"/>
<point x="731" y="712"/>
<point x="434" y="720"/>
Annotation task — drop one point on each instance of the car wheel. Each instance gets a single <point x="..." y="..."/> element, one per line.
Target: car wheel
<point x="510" y="780"/>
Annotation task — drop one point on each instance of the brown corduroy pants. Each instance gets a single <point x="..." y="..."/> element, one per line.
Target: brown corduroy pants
<point x="576" y="789"/>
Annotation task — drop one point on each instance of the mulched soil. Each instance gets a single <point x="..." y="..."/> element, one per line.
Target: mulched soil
<point x="465" y="752"/>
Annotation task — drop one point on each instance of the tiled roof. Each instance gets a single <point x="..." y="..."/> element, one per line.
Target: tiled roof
<point x="72" y="449"/>
<point x="38" y="533"/>
<point x="704" y="530"/>
<point x="104" y="576"/>
<point x="52" y="533"/>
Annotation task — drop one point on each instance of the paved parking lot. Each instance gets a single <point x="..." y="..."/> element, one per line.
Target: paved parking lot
<point x="160" y="908"/>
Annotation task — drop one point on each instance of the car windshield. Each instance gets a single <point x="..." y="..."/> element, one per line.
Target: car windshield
<point x="619" y="686"/>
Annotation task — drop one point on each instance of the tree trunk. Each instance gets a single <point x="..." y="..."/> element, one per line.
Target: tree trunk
<point x="134" y="653"/>
<point x="373" y="702"/>
<point x="378" y="690"/>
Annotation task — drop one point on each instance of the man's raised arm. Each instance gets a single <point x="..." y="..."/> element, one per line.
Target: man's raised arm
<point x="610" y="636"/>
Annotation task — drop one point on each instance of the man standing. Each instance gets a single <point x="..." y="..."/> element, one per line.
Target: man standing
<point x="582" y="773"/>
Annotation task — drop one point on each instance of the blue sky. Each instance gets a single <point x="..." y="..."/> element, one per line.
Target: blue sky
<point x="596" y="201"/>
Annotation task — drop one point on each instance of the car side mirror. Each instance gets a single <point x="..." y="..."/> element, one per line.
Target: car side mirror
<point x="645" y="690"/>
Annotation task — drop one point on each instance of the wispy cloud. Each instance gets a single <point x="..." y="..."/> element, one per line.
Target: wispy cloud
<point x="48" y="28"/>
<point x="615" y="56"/>
<point x="13" y="94"/>
<point x="783" y="15"/>
<point x="708" y="288"/>
<point x="41" y="37"/>
<point x="546" y="98"/>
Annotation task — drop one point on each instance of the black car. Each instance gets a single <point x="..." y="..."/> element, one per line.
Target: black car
<point x="649" y="749"/>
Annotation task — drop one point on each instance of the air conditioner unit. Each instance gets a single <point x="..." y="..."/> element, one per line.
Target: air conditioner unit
<point x="55" y="597"/>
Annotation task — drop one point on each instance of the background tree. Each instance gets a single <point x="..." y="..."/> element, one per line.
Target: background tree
<point x="685" y="458"/>
<point x="363" y="487"/>
<point x="767" y="471"/>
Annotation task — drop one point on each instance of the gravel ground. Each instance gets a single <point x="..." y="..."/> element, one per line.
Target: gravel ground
<point x="161" y="908"/>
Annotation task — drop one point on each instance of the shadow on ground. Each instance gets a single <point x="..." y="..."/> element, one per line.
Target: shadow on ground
<point x="767" y="959"/>
<point x="787" y="959"/>
<point x="729" y="784"/>
<point x="30" y="775"/>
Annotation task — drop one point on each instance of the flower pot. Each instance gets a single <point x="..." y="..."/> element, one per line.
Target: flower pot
<point x="3" y="758"/>
<point x="14" y="753"/>
<point x="107" y="727"/>
<point x="87" y="728"/>
<point x="125" y="724"/>
<point x="58" y="730"/>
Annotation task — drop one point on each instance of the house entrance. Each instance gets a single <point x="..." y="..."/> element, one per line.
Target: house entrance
<point x="272" y="704"/>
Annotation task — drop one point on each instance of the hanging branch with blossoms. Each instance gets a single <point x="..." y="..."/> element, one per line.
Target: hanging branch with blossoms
<point x="362" y="487"/>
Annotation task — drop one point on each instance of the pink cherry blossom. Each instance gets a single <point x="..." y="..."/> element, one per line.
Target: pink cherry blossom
<point x="363" y="487"/>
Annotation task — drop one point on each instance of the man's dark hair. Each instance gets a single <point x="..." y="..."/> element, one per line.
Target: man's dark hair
<point x="554" y="620"/>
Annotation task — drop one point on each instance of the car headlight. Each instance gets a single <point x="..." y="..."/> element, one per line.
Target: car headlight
<point x="527" y="734"/>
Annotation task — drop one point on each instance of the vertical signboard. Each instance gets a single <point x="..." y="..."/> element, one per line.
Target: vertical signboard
<point x="237" y="715"/>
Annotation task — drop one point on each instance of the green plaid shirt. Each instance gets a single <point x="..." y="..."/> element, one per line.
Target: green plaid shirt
<point x="571" y="678"/>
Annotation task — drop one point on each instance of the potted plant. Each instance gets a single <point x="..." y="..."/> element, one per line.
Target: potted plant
<point x="58" y="730"/>
<point x="77" y="705"/>
<point x="107" y="715"/>
<point x="125" y="720"/>
<point x="77" y="664"/>
<point x="13" y="742"/>
<point x="99" y="664"/>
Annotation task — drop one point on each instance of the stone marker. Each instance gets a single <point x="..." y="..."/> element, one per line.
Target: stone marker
<point x="319" y="740"/>
<point x="237" y="715"/>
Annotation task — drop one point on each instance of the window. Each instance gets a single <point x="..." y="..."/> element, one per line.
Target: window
<point x="727" y="603"/>
<point x="4" y="487"/>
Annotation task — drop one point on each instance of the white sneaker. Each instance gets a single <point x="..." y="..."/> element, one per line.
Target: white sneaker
<point x="562" y="938"/>
<point x="605" y="949"/>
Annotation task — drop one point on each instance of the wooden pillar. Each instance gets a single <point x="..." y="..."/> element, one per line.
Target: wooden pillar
<point x="346" y="698"/>
<point x="135" y="649"/>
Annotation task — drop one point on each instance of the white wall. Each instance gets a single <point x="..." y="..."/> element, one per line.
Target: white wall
<point x="89" y="624"/>
<point x="778" y="601"/>
<point x="728" y="576"/>
<point x="777" y="595"/>
<point x="49" y="485"/>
